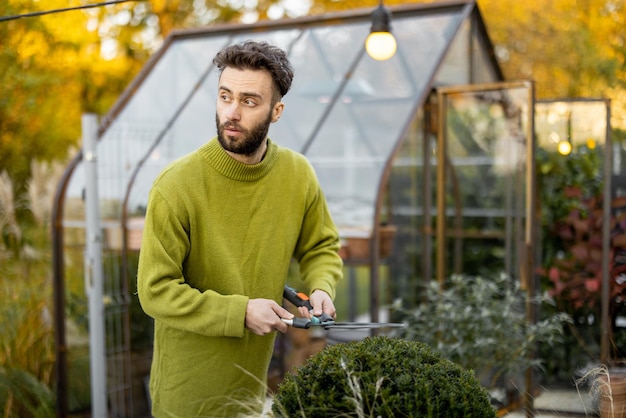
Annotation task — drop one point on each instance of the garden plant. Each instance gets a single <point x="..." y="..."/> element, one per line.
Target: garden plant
<point x="571" y="204"/>
<point x="481" y="324"/>
<point x="381" y="377"/>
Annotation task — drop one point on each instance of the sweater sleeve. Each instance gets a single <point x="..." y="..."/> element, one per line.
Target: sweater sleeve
<point x="317" y="252"/>
<point x="164" y="293"/>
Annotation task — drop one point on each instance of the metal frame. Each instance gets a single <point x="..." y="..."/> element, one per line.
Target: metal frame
<point x="442" y="172"/>
<point x="527" y="276"/>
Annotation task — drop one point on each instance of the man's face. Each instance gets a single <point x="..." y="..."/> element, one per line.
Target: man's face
<point x="245" y="110"/>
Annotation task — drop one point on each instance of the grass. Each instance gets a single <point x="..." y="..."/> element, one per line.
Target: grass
<point x="601" y="385"/>
<point x="26" y="338"/>
<point x="26" y="332"/>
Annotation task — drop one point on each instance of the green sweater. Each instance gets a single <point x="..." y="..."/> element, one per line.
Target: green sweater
<point x="218" y="232"/>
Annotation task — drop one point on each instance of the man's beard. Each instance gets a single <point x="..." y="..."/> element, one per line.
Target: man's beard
<point x="250" y="142"/>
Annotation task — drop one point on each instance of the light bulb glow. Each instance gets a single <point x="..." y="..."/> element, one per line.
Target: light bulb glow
<point x="564" y="147"/>
<point x="380" y="45"/>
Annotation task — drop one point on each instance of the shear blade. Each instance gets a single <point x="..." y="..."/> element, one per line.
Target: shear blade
<point x="362" y="325"/>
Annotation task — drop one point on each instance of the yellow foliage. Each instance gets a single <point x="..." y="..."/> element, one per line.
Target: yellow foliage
<point x="569" y="48"/>
<point x="52" y="73"/>
<point x="32" y="44"/>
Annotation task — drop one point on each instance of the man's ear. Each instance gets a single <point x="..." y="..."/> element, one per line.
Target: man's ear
<point x="277" y="111"/>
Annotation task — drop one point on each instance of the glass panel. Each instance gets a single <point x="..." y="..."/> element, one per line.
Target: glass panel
<point x="422" y="43"/>
<point x="456" y="67"/>
<point x="573" y="125"/>
<point x="318" y="74"/>
<point x="581" y="232"/>
<point x="483" y="70"/>
<point x="353" y="143"/>
<point x="409" y="192"/>
<point x="487" y="133"/>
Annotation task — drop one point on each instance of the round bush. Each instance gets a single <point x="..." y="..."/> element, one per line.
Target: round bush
<point x="381" y="377"/>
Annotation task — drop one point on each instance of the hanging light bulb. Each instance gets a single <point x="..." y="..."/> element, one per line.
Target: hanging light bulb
<point x="380" y="43"/>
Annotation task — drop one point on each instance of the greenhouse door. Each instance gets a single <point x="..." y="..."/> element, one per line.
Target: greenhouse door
<point x="484" y="171"/>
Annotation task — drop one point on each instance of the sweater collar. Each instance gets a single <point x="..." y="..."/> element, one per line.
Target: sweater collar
<point x="233" y="169"/>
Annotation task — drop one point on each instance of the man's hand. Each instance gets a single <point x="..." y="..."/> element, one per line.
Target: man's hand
<point x="322" y="303"/>
<point x="264" y="316"/>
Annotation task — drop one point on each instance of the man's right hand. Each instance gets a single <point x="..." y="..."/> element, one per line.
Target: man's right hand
<point x="264" y="316"/>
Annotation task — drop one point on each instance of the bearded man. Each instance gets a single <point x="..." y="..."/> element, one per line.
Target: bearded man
<point x="222" y="226"/>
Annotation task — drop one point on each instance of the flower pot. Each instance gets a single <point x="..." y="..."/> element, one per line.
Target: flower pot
<point x="356" y="243"/>
<point x="612" y="401"/>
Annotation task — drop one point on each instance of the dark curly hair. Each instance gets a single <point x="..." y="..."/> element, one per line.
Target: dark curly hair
<point x="258" y="56"/>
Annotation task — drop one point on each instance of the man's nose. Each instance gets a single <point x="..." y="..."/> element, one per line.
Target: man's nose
<point x="233" y="111"/>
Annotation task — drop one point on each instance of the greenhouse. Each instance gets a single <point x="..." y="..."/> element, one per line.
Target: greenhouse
<point x="426" y="160"/>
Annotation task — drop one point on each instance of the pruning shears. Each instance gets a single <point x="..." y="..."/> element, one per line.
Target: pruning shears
<point x="299" y="299"/>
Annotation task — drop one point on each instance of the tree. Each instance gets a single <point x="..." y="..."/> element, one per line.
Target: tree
<point x="569" y="48"/>
<point x="52" y="73"/>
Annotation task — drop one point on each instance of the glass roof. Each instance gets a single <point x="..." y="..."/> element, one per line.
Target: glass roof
<point x="346" y="112"/>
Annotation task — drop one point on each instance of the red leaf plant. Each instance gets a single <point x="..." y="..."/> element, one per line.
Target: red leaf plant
<point x="575" y="273"/>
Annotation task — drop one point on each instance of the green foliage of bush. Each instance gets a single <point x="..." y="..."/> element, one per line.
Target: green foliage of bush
<point x="481" y="324"/>
<point x="381" y="377"/>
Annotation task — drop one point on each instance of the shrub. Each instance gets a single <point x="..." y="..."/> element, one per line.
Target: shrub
<point x="381" y="376"/>
<point x="481" y="324"/>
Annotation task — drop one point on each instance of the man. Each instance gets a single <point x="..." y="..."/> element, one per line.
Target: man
<point x="222" y="225"/>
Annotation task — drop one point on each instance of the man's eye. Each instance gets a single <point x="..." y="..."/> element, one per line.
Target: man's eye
<point x="249" y="102"/>
<point x="224" y="97"/>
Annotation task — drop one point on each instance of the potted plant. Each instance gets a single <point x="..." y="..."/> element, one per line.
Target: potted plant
<point x="607" y="388"/>
<point x="480" y="323"/>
